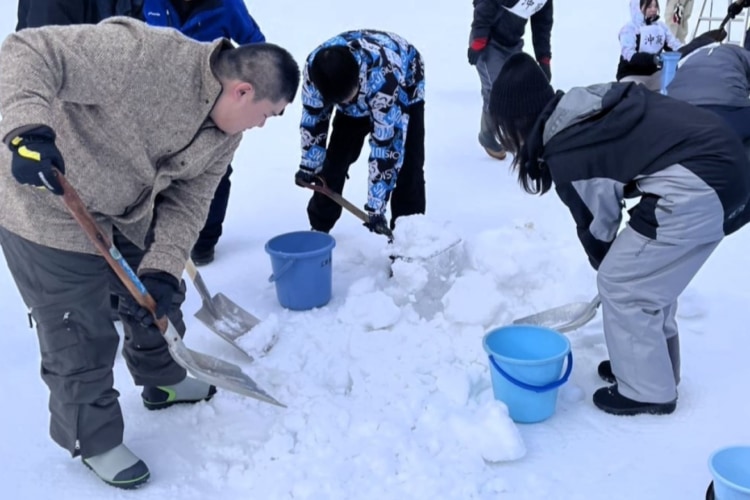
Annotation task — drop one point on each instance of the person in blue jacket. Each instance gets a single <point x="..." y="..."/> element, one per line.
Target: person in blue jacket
<point x="205" y="21"/>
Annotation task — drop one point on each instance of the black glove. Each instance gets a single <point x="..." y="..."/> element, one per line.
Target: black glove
<point x="378" y="224"/>
<point x="476" y="48"/>
<point x="645" y="61"/>
<point x="304" y="175"/>
<point x="162" y="287"/>
<point x="544" y="63"/>
<point x="735" y="8"/>
<point x="34" y="156"/>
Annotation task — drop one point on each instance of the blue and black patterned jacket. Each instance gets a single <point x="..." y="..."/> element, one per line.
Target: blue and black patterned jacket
<point x="391" y="75"/>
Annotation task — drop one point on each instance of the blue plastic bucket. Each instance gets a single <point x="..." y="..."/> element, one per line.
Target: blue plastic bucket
<point x="730" y="468"/>
<point x="669" y="62"/>
<point x="301" y="263"/>
<point x="525" y="364"/>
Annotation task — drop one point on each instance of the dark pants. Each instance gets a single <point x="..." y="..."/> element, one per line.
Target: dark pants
<point x="68" y="296"/>
<point x="738" y="118"/>
<point x="344" y="147"/>
<point x="212" y="229"/>
<point x="36" y="13"/>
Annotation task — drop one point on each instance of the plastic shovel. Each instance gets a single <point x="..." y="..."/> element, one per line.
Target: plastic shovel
<point x="202" y="366"/>
<point x="219" y="313"/>
<point x="563" y="318"/>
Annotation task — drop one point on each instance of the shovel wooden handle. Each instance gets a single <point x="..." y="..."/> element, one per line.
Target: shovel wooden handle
<point x="324" y="189"/>
<point x="110" y="253"/>
<point x="190" y="269"/>
<point x="200" y="286"/>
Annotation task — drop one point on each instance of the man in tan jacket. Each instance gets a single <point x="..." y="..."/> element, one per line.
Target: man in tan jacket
<point x="143" y="123"/>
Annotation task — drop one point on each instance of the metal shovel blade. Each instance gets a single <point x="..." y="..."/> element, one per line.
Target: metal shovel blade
<point x="219" y="313"/>
<point x="202" y="366"/>
<point x="563" y="318"/>
<point x="226" y="319"/>
<point x="214" y="370"/>
<point x="437" y="253"/>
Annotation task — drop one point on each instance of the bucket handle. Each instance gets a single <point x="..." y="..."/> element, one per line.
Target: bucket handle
<point x="536" y="388"/>
<point x="286" y="267"/>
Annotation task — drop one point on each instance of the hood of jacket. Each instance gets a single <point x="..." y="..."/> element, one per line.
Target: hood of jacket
<point x="581" y="104"/>
<point x="636" y="14"/>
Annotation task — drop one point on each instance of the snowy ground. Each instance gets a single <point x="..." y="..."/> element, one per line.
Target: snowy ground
<point x="388" y="388"/>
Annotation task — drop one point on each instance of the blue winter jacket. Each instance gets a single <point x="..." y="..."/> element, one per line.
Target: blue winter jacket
<point x="211" y="20"/>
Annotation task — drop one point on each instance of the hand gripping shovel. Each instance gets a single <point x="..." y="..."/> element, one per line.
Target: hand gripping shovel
<point x="202" y="366"/>
<point x="359" y="213"/>
<point x="219" y="313"/>
<point x="323" y="188"/>
<point x="563" y="318"/>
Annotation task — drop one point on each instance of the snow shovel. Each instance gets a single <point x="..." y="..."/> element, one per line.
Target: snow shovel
<point x="219" y="313"/>
<point x="563" y="318"/>
<point x="359" y="213"/>
<point x="323" y="188"/>
<point x="202" y="366"/>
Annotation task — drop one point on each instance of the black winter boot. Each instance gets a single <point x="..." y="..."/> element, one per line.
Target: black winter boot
<point x="605" y="372"/>
<point x="189" y="390"/>
<point x="609" y="400"/>
<point x="202" y="256"/>
<point x="488" y="139"/>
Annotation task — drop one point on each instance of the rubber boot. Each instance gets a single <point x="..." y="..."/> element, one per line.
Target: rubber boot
<point x="119" y="467"/>
<point x="189" y="390"/>
<point x="488" y="139"/>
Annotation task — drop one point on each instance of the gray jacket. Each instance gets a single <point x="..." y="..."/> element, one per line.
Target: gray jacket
<point x="130" y="105"/>
<point x="713" y="75"/>
<point x="608" y="142"/>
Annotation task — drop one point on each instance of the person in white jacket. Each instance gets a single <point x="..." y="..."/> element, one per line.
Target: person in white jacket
<point x="641" y="40"/>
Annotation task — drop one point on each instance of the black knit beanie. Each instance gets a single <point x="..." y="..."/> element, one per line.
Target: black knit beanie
<point x="520" y="92"/>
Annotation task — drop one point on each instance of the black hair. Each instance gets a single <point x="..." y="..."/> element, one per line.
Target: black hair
<point x="335" y="73"/>
<point x="519" y="95"/>
<point x="645" y="3"/>
<point x="270" y="69"/>
<point x="533" y="175"/>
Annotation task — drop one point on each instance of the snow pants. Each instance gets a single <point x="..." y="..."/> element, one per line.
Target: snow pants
<point x="344" y="147"/>
<point x="736" y="117"/>
<point x="489" y="64"/>
<point x="641" y="278"/>
<point x="68" y="295"/>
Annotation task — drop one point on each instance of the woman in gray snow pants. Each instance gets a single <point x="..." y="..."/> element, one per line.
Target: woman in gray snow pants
<point x="599" y="145"/>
